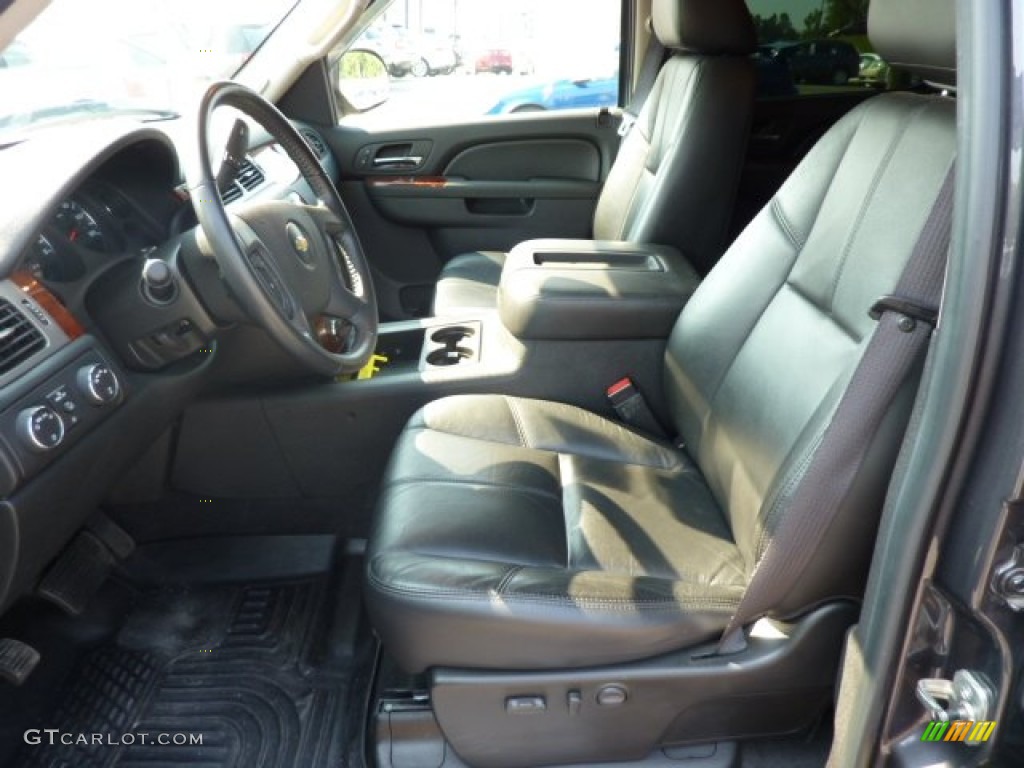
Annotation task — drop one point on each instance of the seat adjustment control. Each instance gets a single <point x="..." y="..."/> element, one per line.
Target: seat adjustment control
<point x="575" y="701"/>
<point x="525" y="705"/>
<point x="612" y="696"/>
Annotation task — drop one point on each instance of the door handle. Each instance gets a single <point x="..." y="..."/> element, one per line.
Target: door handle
<point x="407" y="161"/>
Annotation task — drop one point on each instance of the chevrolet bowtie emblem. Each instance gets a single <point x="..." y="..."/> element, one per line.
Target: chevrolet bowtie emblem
<point x="299" y="240"/>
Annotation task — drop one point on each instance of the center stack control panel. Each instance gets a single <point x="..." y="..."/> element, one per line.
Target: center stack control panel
<point x="56" y="414"/>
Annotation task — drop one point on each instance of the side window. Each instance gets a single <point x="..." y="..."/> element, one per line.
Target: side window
<point x="813" y="47"/>
<point x="462" y="59"/>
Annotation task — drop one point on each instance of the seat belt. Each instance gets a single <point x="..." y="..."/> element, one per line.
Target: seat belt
<point x="654" y="58"/>
<point x="905" y="325"/>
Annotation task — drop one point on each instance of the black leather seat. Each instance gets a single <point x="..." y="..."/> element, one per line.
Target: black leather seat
<point x="521" y="534"/>
<point x="675" y="177"/>
<point x="519" y="526"/>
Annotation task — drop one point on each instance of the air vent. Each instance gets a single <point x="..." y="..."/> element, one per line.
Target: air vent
<point x="19" y="338"/>
<point x="314" y="141"/>
<point x="232" y="193"/>
<point x="249" y="177"/>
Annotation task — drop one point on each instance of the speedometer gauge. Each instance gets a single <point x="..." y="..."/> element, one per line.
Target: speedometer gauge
<point x="79" y="226"/>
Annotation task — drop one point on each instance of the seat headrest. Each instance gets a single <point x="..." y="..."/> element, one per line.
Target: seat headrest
<point x="705" y="26"/>
<point x="918" y="35"/>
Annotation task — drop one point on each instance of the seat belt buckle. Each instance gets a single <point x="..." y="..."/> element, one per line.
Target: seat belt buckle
<point x="631" y="407"/>
<point x="626" y="124"/>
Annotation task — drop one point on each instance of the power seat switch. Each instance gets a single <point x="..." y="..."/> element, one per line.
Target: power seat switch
<point x="525" y="705"/>
<point x="575" y="701"/>
<point x="612" y="696"/>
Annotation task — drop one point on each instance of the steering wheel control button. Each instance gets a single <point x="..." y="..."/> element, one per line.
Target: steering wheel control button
<point x="40" y="428"/>
<point x="267" y="277"/>
<point x="525" y="705"/>
<point x="612" y="696"/>
<point x="301" y="244"/>
<point x="158" y="283"/>
<point x="352" y="276"/>
<point x="98" y="383"/>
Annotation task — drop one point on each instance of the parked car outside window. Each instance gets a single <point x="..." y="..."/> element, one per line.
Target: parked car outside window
<point x="496" y="60"/>
<point x="874" y="71"/>
<point x="560" y="94"/>
<point x="821" y="62"/>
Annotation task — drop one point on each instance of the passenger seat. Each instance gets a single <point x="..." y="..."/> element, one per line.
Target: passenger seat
<point x="674" y="180"/>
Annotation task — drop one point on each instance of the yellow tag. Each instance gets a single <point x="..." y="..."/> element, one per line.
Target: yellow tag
<point x="372" y="368"/>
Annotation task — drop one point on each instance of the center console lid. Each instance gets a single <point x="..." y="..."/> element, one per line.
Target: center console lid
<point x="593" y="289"/>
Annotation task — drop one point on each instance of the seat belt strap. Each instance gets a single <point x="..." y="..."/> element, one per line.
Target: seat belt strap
<point x="904" y="329"/>
<point x="654" y="58"/>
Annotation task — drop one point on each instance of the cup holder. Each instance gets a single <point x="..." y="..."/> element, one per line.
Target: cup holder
<point x="452" y="345"/>
<point x="449" y="356"/>
<point x="454" y="335"/>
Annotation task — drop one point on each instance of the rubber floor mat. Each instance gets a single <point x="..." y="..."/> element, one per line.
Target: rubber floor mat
<point x="249" y="672"/>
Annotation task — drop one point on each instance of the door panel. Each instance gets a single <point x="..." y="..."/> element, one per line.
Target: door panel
<point x="421" y="196"/>
<point x="529" y="159"/>
<point x="452" y="202"/>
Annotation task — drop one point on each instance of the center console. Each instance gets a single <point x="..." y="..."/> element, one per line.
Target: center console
<point x="571" y="291"/>
<point x="593" y="289"/>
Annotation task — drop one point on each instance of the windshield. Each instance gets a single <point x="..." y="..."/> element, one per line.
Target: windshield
<point x="149" y="57"/>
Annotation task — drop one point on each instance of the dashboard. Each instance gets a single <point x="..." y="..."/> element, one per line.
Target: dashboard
<point x="88" y="382"/>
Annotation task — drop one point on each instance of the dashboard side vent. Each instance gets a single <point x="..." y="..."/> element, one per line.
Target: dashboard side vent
<point x="249" y="177"/>
<point x="19" y="338"/>
<point x="232" y="193"/>
<point x="314" y="141"/>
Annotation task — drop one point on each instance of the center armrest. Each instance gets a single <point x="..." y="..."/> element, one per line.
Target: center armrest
<point x="593" y="289"/>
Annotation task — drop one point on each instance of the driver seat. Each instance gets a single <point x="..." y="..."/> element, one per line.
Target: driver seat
<point x="549" y="543"/>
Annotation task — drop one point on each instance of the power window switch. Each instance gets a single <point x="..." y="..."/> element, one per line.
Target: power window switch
<point x="525" y="705"/>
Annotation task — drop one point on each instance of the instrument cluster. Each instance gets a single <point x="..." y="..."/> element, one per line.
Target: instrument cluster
<point x="99" y="219"/>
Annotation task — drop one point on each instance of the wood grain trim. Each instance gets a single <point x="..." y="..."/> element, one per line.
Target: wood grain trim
<point x="50" y="304"/>
<point x="428" y="182"/>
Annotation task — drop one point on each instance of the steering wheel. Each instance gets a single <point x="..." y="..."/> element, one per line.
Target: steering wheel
<point x="297" y="270"/>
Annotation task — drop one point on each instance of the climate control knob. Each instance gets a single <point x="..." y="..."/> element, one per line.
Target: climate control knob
<point x="40" y="428"/>
<point x="98" y="383"/>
